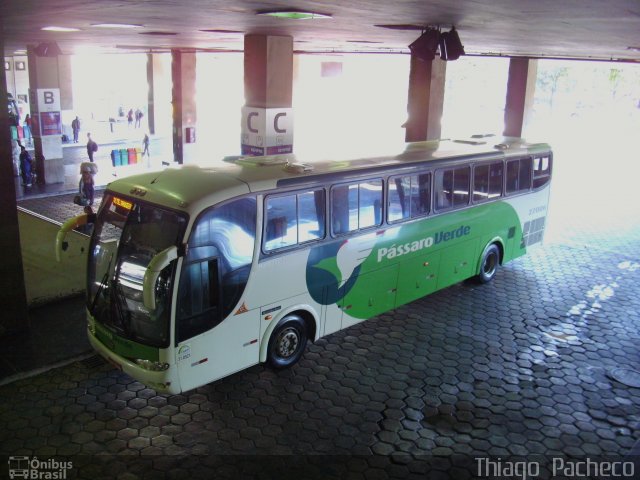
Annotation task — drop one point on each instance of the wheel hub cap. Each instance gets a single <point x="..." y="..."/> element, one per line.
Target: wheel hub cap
<point x="287" y="342"/>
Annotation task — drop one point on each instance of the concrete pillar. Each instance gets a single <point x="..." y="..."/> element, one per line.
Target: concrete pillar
<point x="520" y="90"/>
<point x="183" y="94"/>
<point x="153" y="72"/>
<point x="65" y="82"/>
<point x="267" y="117"/>
<point x="426" y="99"/>
<point x="13" y="297"/>
<point x="49" y="94"/>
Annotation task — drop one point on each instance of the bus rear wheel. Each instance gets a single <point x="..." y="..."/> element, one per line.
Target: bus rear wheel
<point x="489" y="264"/>
<point x="287" y="342"/>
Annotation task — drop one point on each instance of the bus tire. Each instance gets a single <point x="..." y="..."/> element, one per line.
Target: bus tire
<point x="489" y="264"/>
<point x="287" y="342"/>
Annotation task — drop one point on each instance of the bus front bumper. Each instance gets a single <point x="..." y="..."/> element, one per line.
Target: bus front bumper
<point x="162" y="382"/>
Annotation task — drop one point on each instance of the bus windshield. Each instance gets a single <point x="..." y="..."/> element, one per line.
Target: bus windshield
<point x="127" y="235"/>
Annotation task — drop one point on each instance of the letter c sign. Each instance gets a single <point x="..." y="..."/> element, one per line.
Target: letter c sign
<point x="275" y="123"/>
<point x="249" y="125"/>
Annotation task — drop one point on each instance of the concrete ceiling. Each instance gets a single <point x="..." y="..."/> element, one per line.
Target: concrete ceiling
<point x="583" y="29"/>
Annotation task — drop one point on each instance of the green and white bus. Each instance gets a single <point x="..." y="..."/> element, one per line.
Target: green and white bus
<point x="196" y="273"/>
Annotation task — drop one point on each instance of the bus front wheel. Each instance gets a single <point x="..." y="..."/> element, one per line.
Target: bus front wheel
<point x="489" y="264"/>
<point x="287" y="342"/>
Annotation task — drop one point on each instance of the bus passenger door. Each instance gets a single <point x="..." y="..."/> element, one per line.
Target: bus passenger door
<point x="228" y="348"/>
<point x="418" y="277"/>
<point x="373" y="293"/>
<point x="216" y="335"/>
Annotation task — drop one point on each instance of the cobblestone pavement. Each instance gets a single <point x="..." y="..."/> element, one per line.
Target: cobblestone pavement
<point x="529" y="364"/>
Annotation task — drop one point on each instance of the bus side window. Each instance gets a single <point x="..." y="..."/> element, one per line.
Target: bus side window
<point x="496" y="176"/>
<point x="480" y="183"/>
<point x="294" y="219"/>
<point x="370" y="203"/>
<point x="356" y="206"/>
<point x="525" y="173"/>
<point x="518" y="175"/>
<point x="444" y="189"/>
<point x="541" y="171"/>
<point x="311" y="207"/>
<point x="461" y="183"/>
<point x="282" y="222"/>
<point x="487" y="181"/>
<point x="409" y="197"/>
<point x="420" y="194"/>
<point x="344" y="208"/>
<point x="452" y="187"/>
<point x="399" y="205"/>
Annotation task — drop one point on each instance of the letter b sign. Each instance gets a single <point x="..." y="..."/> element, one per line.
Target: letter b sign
<point x="48" y="99"/>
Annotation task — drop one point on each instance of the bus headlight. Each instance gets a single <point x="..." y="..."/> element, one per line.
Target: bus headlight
<point x="152" y="366"/>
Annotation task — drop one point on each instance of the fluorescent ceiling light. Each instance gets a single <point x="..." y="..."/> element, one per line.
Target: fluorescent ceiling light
<point x="218" y="30"/>
<point x="20" y="52"/>
<point x="116" y="25"/>
<point x="157" y="33"/>
<point x="53" y="28"/>
<point x="293" y="14"/>
<point x="401" y="27"/>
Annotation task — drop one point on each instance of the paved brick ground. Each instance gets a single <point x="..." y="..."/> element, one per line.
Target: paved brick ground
<point x="525" y="365"/>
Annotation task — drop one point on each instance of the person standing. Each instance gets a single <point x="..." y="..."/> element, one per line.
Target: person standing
<point x="75" y="126"/>
<point x="86" y="184"/>
<point x="130" y="117"/>
<point x="145" y="145"/>
<point x="26" y="128"/>
<point x="92" y="147"/>
<point x="25" y="166"/>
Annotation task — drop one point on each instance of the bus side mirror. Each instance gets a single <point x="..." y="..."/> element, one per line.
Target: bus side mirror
<point x="156" y="265"/>
<point x="67" y="226"/>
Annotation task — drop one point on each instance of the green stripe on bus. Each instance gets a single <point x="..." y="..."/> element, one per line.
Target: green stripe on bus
<point x="125" y="348"/>
<point x="383" y="270"/>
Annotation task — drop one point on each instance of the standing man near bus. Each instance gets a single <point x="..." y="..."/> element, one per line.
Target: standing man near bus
<point x="75" y="126"/>
<point x="25" y="166"/>
<point x="145" y="145"/>
<point x="92" y="147"/>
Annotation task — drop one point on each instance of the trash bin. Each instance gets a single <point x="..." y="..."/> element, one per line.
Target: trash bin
<point x="115" y="158"/>
<point x="138" y="155"/>
<point x="123" y="156"/>
<point x="131" y="155"/>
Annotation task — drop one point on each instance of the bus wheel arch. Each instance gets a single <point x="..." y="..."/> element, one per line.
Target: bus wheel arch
<point x="491" y="258"/>
<point x="287" y="341"/>
<point x="310" y="323"/>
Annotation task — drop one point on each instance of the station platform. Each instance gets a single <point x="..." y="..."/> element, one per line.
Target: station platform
<point x="76" y="153"/>
<point x="542" y="363"/>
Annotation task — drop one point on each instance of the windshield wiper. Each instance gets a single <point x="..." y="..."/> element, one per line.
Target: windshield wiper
<point x="103" y="283"/>
<point x="122" y="314"/>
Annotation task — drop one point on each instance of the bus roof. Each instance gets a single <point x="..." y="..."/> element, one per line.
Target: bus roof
<point x="279" y="171"/>
<point x="184" y="186"/>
